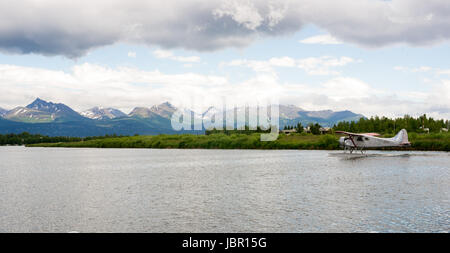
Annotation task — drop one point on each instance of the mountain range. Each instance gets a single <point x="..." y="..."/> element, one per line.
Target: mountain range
<point x="57" y="119"/>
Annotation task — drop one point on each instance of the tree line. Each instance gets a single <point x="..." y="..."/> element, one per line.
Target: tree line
<point x="27" y="138"/>
<point x="314" y="128"/>
<point x="385" y="125"/>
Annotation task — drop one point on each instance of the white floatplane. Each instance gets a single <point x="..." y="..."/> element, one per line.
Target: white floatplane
<point x="361" y="141"/>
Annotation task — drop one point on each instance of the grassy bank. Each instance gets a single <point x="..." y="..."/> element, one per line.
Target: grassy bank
<point x="436" y="142"/>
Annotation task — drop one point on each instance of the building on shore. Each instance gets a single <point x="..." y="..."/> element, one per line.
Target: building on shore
<point x="325" y="130"/>
<point x="289" y="131"/>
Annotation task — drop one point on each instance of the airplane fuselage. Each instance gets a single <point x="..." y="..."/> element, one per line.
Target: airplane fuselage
<point x="361" y="141"/>
<point x="367" y="142"/>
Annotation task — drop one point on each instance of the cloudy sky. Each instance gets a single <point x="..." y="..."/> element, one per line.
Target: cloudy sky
<point x="372" y="57"/>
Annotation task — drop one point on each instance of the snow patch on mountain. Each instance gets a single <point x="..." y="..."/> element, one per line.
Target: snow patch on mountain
<point x="103" y="113"/>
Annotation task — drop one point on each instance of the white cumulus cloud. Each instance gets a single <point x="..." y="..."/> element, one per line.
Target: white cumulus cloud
<point x="324" y="65"/>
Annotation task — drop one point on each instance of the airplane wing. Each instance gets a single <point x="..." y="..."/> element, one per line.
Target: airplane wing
<point x="355" y="134"/>
<point x="372" y="134"/>
<point x="348" y="133"/>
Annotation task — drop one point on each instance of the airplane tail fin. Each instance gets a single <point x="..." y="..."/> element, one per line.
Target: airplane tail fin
<point x="402" y="137"/>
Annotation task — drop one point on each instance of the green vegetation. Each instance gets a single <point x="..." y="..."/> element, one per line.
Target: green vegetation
<point x="27" y="138"/>
<point x="437" y="142"/>
<point x="211" y="141"/>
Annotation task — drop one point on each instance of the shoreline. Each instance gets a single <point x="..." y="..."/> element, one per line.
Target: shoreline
<point x="244" y="141"/>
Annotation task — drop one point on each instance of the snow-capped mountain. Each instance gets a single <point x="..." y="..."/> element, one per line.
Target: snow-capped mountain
<point x="42" y="111"/>
<point x="28" y="115"/>
<point x="164" y="110"/>
<point x="142" y="112"/>
<point x="3" y="112"/>
<point x="103" y="113"/>
<point x="44" y="106"/>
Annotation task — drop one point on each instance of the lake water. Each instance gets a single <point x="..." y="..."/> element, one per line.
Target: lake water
<point x="151" y="190"/>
